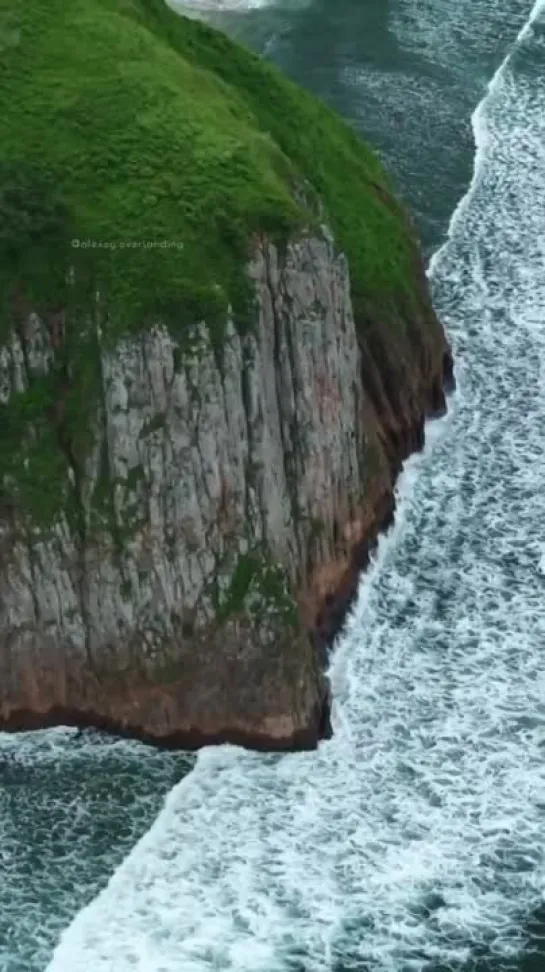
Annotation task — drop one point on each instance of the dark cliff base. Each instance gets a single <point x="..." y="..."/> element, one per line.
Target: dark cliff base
<point x="161" y="712"/>
<point x="186" y="740"/>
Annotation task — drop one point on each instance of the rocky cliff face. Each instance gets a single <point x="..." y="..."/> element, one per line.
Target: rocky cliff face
<point x="239" y="488"/>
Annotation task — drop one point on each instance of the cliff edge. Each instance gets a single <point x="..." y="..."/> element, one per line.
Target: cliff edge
<point x="216" y="349"/>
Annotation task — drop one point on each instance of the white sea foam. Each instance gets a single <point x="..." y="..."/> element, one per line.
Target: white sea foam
<point x="458" y="30"/>
<point x="205" y="8"/>
<point x="416" y="832"/>
<point x="215" y="6"/>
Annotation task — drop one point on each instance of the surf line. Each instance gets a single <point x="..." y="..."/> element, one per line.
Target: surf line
<point x="480" y="133"/>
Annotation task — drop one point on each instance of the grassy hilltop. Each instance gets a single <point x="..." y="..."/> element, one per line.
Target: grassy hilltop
<point x="122" y="122"/>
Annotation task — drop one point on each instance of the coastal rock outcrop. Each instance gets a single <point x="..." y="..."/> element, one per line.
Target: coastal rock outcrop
<point x="185" y="505"/>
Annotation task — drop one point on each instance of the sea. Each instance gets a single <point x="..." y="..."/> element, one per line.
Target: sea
<point x="414" y="839"/>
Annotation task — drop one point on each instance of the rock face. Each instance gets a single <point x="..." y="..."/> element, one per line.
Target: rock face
<point x="245" y="485"/>
<point x="202" y="412"/>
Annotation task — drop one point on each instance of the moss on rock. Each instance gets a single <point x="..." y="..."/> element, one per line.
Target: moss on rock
<point x="257" y="588"/>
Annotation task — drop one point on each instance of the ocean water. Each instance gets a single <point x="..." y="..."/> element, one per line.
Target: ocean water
<point x="71" y="806"/>
<point x="413" y="840"/>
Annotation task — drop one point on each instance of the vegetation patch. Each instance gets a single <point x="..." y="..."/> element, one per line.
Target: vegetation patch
<point x="258" y="588"/>
<point x="148" y="149"/>
<point x="35" y="471"/>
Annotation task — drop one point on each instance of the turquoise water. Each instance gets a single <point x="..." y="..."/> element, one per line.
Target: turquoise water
<point x="413" y="839"/>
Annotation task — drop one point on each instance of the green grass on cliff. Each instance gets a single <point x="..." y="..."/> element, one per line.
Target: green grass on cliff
<point x="122" y="123"/>
<point x="136" y="125"/>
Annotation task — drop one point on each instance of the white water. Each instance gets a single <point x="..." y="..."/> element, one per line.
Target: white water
<point x="417" y="831"/>
<point x="460" y="28"/>
<point x="201" y="6"/>
<point x="204" y="7"/>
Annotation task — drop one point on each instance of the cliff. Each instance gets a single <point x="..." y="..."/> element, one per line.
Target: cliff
<point x="202" y="411"/>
